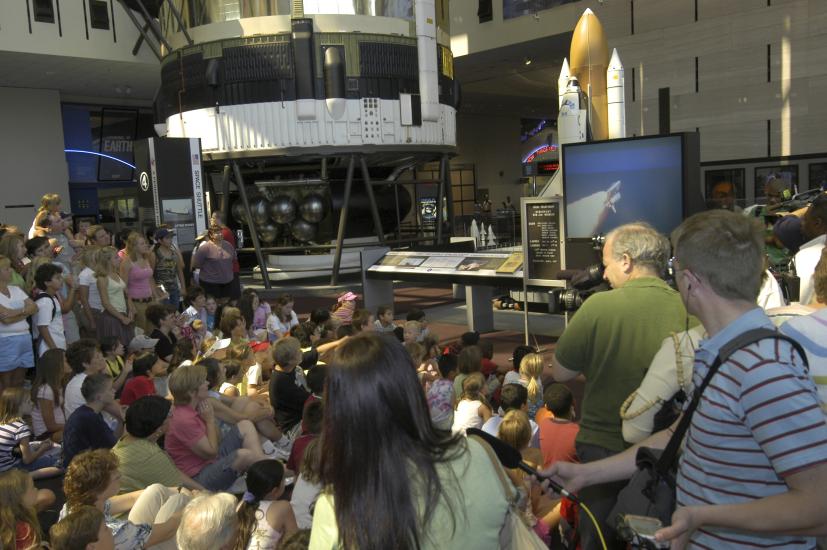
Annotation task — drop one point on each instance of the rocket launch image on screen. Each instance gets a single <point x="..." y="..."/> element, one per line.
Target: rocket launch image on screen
<point x="620" y="181"/>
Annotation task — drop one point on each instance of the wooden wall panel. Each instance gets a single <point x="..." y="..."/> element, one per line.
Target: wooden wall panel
<point x="714" y="9"/>
<point x="727" y="68"/>
<point x="660" y="14"/>
<point x="733" y="140"/>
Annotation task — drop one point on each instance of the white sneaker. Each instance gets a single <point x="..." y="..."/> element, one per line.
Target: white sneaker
<point x="276" y="451"/>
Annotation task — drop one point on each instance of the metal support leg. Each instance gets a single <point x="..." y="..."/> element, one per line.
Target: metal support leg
<point x="141" y="29"/>
<point x="374" y="210"/>
<point x="444" y="175"/>
<point x="225" y="193"/>
<point x="181" y="25"/>
<point x="156" y="29"/>
<point x="340" y="237"/>
<point x="439" y="200"/>
<point x="239" y="181"/>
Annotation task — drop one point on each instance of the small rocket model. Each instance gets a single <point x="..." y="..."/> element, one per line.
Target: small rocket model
<point x="475" y="233"/>
<point x="492" y="240"/>
<point x="598" y="82"/>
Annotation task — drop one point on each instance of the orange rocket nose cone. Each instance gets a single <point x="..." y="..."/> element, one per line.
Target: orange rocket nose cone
<point x="588" y="44"/>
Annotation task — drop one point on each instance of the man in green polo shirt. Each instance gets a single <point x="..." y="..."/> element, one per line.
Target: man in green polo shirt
<point x="611" y="341"/>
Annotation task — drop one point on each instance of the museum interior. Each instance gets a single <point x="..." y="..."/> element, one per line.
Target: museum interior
<point x="564" y="256"/>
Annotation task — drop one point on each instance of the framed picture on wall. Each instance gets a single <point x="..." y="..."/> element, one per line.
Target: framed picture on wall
<point x="724" y="188"/>
<point x="818" y="175"/>
<point x="785" y="178"/>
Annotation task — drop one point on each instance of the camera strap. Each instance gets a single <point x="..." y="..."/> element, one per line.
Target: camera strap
<point x="668" y="459"/>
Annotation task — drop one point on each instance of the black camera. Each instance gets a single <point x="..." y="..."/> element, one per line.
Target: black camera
<point x="639" y="532"/>
<point x="584" y="283"/>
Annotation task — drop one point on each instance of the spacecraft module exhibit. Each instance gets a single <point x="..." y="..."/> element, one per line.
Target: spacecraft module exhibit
<point x="294" y="82"/>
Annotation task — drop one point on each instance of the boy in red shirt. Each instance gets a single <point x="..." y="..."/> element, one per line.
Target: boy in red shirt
<point x="145" y="367"/>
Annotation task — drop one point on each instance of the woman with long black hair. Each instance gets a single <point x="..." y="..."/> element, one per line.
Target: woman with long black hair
<point x="392" y="479"/>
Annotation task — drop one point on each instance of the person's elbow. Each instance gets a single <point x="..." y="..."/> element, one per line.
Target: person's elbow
<point x="634" y="434"/>
<point x="205" y="451"/>
<point x="559" y="372"/>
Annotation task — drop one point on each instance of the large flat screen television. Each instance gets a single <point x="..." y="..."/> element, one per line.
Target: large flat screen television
<point x="610" y="183"/>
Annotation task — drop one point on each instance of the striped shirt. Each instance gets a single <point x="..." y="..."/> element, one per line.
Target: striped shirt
<point x="758" y="421"/>
<point x="811" y="332"/>
<point x="10" y="436"/>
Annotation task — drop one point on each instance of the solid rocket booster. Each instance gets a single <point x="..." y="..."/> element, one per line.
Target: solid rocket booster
<point x="562" y="82"/>
<point x="616" y="97"/>
<point x="425" y="12"/>
<point x="589" y="59"/>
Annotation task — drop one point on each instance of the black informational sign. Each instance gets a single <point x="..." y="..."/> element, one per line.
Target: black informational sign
<point x="542" y="221"/>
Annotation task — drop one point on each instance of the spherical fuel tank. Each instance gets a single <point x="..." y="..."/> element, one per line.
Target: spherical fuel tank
<point x="283" y="209"/>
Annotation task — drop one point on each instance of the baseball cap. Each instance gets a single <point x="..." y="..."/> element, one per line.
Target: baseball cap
<point x="788" y="231"/>
<point x="141" y="342"/>
<point x="163" y="232"/>
<point x="259" y="346"/>
<point x="348" y="296"/>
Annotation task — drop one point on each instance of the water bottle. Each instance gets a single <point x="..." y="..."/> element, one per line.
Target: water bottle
<point x="239" y="238"/>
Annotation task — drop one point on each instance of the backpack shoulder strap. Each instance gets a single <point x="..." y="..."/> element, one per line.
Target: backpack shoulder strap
<point x="670" y="453"/>
<point x="43" y="295"/>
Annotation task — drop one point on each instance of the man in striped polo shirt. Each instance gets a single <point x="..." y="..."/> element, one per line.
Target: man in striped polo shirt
<point x="754" y="468"/>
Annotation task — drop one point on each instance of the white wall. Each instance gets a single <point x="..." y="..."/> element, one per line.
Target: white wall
<point x="734" y="99"/>
<point x="31" y="152"/>
<point x="73" y="36"/>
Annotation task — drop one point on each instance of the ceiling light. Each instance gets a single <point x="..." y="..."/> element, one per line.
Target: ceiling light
<point x="527" y="61"/>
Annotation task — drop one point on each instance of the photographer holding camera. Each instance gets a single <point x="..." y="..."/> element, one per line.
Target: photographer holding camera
<point x="611" y="340"/>
<point x="754" y="465"/>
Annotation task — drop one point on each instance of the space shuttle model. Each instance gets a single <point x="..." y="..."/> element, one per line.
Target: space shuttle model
<point x="591" y="93"/>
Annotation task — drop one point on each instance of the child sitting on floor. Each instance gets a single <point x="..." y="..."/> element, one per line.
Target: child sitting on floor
<point x="472" y="409"/>
<point x="345" y="307"/>
<point x="263" y="519"/>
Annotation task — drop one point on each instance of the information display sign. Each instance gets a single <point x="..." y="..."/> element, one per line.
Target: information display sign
<point x="543" y="248"/>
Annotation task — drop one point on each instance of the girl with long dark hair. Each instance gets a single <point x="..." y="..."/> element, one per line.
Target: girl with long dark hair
<point x="263" y="519"/>
<point x="392" y="479"/>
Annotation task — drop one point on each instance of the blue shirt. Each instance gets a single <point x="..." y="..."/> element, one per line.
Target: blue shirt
<point x="811" y="332"/>
<point x="85" y="430"/>
<point x="758" y="421"/>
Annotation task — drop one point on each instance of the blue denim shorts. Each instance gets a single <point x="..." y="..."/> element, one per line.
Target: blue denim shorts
<point x="16" y="352"/>
<point x="219" y="475"/>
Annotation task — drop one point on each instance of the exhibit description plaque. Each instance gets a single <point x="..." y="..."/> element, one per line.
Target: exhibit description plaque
<point x="542" y="238"/>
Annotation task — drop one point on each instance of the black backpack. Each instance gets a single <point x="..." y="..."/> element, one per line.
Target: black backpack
<point x="32" y="328"/>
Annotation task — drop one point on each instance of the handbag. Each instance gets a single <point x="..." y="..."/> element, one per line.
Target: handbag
<point x="515" y="533"/>
<point x="651" y="490"/>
